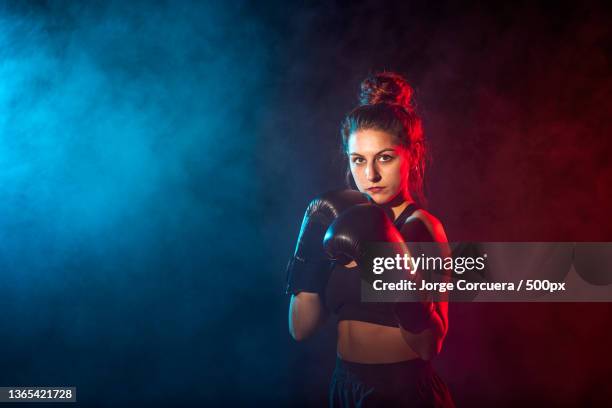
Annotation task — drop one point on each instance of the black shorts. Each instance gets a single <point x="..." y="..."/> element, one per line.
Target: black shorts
<point x="411" y="383"/>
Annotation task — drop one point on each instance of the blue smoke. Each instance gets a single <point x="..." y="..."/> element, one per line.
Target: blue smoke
<point x="127" y="186"/>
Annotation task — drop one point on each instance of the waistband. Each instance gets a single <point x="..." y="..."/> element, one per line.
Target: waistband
<point x="407" y="370"/>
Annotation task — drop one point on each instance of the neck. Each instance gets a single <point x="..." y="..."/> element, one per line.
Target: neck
<point x="399" y="204"/>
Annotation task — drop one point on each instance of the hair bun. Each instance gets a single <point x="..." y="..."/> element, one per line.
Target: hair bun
<point x="386" y="87"/>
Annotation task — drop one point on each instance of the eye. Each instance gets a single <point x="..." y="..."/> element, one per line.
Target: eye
<point x="358" y="160"/>
<point x="386" y="158"/>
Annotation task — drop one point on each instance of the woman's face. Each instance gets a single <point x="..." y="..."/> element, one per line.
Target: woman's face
<point x="378" y="164"/>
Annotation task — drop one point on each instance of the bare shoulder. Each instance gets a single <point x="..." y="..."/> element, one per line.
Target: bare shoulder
<point x="433" y="224"/>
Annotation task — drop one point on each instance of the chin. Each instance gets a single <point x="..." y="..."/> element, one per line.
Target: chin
<point x="380" y="200"/>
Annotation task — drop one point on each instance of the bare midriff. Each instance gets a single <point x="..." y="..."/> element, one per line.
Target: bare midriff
<point x="370" y="343"/>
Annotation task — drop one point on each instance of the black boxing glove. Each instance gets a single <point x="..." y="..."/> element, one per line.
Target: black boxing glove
<point x="350" y="237"/>
<point x="310" y="267"/>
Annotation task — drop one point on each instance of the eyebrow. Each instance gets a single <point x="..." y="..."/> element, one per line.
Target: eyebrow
<point x="382" y="151"/>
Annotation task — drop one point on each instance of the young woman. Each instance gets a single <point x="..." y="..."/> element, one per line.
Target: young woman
<point x="384" y="349"/>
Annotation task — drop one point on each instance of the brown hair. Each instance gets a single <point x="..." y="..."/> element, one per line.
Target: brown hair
<point x="386" y="105"/>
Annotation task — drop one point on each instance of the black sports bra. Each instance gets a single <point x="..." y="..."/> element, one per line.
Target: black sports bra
<point x="343" y="292"/>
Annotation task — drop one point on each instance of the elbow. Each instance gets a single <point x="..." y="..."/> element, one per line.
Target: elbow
<point x="297" y="330"/>
<point x="297" y="334"/>
<point x="430" y="351"/>
<point x="432" y="348"/>
<point x="426" y="345"/>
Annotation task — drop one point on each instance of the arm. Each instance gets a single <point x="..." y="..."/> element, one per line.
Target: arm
<point x="427" y="342"/>
<point x="309" y="269"/>
<point x="306" y="315"/>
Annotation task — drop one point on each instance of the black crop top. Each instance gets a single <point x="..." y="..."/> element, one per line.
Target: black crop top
<point x="343" y="292"/>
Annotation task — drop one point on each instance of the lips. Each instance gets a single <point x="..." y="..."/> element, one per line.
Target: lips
<point x="375" y="189"/>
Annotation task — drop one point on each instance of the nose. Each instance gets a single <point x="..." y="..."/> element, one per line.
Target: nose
<point x="372" y="173"/>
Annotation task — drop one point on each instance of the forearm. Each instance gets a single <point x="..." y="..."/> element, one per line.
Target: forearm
<point x="306" y="315"/>
<point x="427" y="343"/>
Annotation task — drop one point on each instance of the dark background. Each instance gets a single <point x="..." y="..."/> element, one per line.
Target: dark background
<point x="156" y="159"/>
